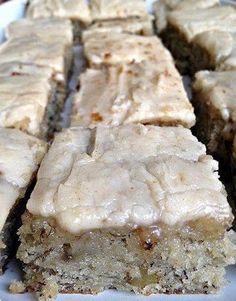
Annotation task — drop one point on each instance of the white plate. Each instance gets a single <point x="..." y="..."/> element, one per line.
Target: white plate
<point x="9" y="12"/>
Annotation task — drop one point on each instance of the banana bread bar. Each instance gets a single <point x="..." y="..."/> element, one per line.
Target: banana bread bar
<point x="221" y="49"/>
<point x="161" y="9"/>
<point x="76" y="10"/>
<point x="117" y="48"/>
<point x="214" y="95"/>
<point x="184" y="26"/>
<point x="149" y="93"/>
<point x="27" y="103"/>
<point x="43" y="29"/>
<point x="136" y="208"/>
<point x="140" y="26"/>
<point x="42" y="42"/>
<point x="117" y="9"/>
<point x="20" y="156"/>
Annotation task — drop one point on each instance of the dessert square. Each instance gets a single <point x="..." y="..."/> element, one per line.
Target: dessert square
<point x="117" y="48"/>
<point x="214" y="99"/>
<point x="141" y="26"/>
<point x="38" y="111"/>
<point x="163" y="7"/>
<point x="146" y="196"/>
<point x="75" y="10"/>
<point x="49" y="51"/>
<point x="117" y="9"/>
<point x="229" y="61"/>
<point x="218" y="50"/>
<point x="38" y="37"/>
<point x="20" y="156"/>
<point x="43" y="29"/>
<point x="148" y="93"/>
<point x="184" y="26"/>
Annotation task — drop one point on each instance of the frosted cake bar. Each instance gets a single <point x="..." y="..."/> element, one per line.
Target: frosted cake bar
<point x="141" y="26"/>
<point x="218" y="48"/>
<point x="75" y="10"/>
<point x="148" y="197"/>
<point x="149" y="93"/>
<point x="43" y="29"/>
<point x="184" y="27"/>
<point x="39" y="42"/>
<point x="162" y="8"/>
<point x="116" y="48"/>
<point x="28" y="99"/>
<point x="117" y="9"/>
<point x="214" y="95"/>
<point x="20" y="156"/>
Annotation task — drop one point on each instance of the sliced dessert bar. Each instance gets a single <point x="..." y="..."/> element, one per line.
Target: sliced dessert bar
<point x="163" y="7"/>
<point x="42" y="33"/>
<point x="20" y="156"/>
<point x="141" y="26"/>
<point x="117" y="9"/>
<point x="43" y="52"/>
<point x="45" y="96"/>
<point x="43" y="29"/>
<point x="147" y="197"/>
<point x="149" y="93"/>
<point x="115" y="48"/>
<point x="218" y="48"/>
<point x="229" y="62"/>
<point x="184" y="26"/>
<point x="214" y="95"/>
<point x="75" y="10"/>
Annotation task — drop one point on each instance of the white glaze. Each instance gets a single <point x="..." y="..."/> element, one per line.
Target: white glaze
<point x="130" y="175"/>
<point x="144" y="93"/>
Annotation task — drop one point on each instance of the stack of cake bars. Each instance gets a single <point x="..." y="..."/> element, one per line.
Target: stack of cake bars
<point x="203" y="41"/>
<point x="126" y="197"/>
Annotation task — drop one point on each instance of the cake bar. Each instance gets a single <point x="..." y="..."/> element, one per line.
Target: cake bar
<point x="161" y="9"/>
<point x="20" y="157"/>
<point x="184" y="26"/>
<point x="28" y="99"/>
<point x="149" y="93"/>
<point x="44" y="42"/>
<point x="75" y="10"/>
<point x="147" y="197"/>
<point x="140" y="26"/>
<point x="35" y="51"/>
<point x="117" y="9"/>
<point x="117" y="48"/>
<point x="214" y="95"/>
<point x="219" y="48"/>
<point x="43" y="29"/>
